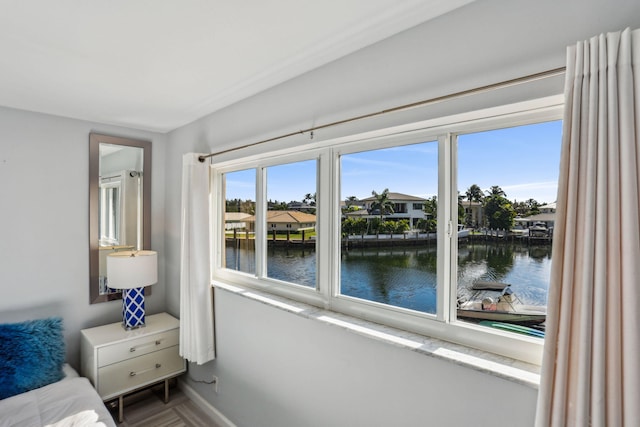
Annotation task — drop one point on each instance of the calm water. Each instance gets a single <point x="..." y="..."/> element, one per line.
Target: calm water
<point x="406" y="277"/>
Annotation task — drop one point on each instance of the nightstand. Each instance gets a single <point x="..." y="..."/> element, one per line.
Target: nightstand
<point x="118" y="362"/>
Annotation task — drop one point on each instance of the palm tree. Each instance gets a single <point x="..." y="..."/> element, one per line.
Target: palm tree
<point x="474" y="193"/>
<point x="310" y="199"/>
<point x="461" y="211"/>
<point x="350" y="200"/>
<point x="534" y="206"/>
<point x="382" y="203"/>
<point x="495" y="190"/>
<point x="430" y="209"/>
<point x="349" y="204"/>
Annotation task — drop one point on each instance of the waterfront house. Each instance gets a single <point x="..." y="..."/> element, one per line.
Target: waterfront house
<point x="282" y="221"/>
<point x="473" y="213"/>
<point x="548" y="208"/>
<point x="547" y="216"/>
<point x="301" y="206"/>
<point x="404" y="207"/>
<point x="235" y="220"/>
<point x="142" y="70"/>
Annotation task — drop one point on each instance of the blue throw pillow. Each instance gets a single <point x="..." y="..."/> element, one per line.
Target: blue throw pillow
<point x="31" y="355"/>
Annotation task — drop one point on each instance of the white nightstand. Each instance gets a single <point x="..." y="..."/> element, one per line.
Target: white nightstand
<point x="118" y="361"/>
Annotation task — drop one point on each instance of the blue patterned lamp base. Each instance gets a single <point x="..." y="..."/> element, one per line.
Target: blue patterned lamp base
<point x="133" y="308"/>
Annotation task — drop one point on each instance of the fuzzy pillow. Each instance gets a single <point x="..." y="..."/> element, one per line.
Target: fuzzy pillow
<point x="32" y="354"/>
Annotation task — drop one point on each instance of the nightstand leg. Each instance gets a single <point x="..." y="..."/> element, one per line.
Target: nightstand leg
<point x="166" y="391"/>
<point x="120" y="409"/>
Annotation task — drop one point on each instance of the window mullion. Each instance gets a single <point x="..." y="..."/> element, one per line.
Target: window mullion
<point x="445" y="226"/>
<point x="325" y="226"/>
<point x="452" y="251"/>
<point x="260" y="239"/>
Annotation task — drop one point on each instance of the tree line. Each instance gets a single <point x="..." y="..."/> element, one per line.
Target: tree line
<point x="498" y="212"/>
<point x="249" y="206"/>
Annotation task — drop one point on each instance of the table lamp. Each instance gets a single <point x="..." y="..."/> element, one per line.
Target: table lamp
<point x="131" y="271"/>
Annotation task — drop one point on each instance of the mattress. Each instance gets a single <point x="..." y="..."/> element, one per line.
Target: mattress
<point x="71" y="401"/>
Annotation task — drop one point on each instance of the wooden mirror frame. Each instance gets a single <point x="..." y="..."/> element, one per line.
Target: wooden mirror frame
<point x="94" y="178"/>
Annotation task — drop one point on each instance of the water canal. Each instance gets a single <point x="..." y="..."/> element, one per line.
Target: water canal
<point x="407" y="277"/>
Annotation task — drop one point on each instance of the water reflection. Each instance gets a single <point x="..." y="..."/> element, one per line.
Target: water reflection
<point x="400" y="277"/>
<point x="526" y="268"/>
<point x="407" y="277"/>
<point x="240" y="255"/>
<point x="295" y="265"/>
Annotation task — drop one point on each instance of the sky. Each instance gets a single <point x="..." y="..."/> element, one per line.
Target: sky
<point x="523" y="161"/>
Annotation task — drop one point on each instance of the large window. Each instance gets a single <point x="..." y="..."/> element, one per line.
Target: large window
<point x="239" y="221"/>
<point x="507" y="186"/>
<point x="291" y="223"/>
<point x="404" y="226"/>
<point x="389" y="253"/>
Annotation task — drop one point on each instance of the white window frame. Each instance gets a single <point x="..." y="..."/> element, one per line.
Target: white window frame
<point x="110" y="211"/>
<point x="444" y="130"/>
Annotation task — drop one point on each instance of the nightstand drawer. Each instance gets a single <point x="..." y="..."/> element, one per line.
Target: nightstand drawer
<point x="120" y="377"/>
<point x="136" y="347"/>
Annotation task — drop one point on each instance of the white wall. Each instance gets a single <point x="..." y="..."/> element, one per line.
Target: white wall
<point x="44" y="221"/>
<point x="276" y="369"/>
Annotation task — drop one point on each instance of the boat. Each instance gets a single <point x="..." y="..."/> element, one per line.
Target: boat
<point x="496" y="301"/>
<point x="518" y="329"/>
<point x="538" y="229"/>
<point x="462" y="231"/>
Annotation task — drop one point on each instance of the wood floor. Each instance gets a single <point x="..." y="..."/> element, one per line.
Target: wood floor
<point x="147" y="409"/>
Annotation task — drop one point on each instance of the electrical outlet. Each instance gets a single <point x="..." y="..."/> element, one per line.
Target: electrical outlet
<point x="215" y="381"/>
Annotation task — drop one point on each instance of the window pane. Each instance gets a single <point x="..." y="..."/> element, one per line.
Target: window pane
<point x="109" y="205"/>
<point x="507" y="185"/>
<point x="239" y="221"/>
<point x="389" y="219"/>
<point x="291" y="223"/>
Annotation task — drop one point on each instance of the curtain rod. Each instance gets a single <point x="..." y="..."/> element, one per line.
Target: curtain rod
<point x="507" y="83"/>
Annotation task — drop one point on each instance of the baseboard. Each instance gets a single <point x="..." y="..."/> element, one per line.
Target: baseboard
<point x="201" y="403"/>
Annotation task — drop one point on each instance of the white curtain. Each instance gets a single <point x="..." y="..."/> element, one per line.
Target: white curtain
<point x="591" y="362"/>
<point x="196" y="306"/>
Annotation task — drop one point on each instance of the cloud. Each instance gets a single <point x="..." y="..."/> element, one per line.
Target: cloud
<point x="240" y="184"/>
<point x="530" y="186"/>
<point x="545" y="191"/>
<point x="370" y="162"/>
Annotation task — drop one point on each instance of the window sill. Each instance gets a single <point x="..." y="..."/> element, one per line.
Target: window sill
<point x="488" y="363"/>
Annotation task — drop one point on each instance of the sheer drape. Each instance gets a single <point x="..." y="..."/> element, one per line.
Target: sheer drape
<point x="591" y="363"/>
<point x="196" y="307"/>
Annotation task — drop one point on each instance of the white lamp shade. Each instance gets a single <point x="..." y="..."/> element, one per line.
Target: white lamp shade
<point x="132" y="269"/>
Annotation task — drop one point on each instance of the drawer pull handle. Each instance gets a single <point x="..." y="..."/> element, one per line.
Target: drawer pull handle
<point x="156" y="342"/>
<point x="134" y="373"/>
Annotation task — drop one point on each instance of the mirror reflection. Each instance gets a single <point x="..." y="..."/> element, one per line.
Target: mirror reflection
<point x="119" y="205"/>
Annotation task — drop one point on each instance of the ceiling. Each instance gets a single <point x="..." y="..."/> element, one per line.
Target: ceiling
<point x="160" y="64"/>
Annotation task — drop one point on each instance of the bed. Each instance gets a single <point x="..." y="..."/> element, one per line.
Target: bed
<point x="36" y="387"/>
<point x="71" y="401"/>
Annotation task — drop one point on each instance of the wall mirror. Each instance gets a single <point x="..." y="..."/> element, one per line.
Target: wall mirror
<point x="119" y="205"/>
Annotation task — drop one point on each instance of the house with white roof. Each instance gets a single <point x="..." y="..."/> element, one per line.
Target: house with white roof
<point x="547" y="215"/>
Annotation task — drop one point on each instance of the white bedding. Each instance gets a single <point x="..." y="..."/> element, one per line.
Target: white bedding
<point x="69" y="402"/>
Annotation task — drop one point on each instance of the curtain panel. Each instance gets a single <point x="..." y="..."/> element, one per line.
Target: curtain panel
<point x="591" y="362"/>
<point x="196" y="299"/>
